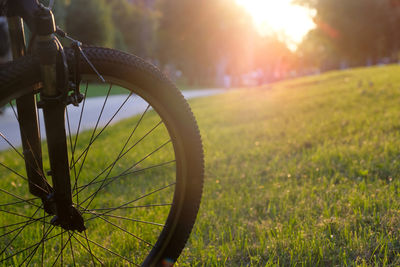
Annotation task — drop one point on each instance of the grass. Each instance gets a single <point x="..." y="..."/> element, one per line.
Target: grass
<point x="302" y="173"/>
<point x="102" y="90"/>
<point x="128" y="181"/>
<point x="298" y="173"/>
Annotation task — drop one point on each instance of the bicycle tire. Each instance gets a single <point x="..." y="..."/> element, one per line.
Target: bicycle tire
<point x="148" y="83"/>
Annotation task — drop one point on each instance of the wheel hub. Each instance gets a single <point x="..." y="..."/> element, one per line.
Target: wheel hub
<point x="69" y="218"/>
<point x="72" y="222"/>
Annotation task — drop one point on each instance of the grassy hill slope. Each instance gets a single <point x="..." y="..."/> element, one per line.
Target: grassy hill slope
<point x="303" y="172"/>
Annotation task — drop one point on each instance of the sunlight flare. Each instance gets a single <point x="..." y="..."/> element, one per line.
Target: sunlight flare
<point x="291" y="22"/>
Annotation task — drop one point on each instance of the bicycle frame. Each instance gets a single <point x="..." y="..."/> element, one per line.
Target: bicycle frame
<point x="57" y="199"/>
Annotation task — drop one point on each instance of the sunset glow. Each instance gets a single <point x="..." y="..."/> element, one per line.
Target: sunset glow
<point x="289" y="21"/>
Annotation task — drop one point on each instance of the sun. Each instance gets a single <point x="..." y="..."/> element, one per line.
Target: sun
<point x="289" y="21"/>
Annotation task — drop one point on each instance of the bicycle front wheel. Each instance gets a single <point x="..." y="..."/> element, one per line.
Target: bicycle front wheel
<point x="136" y="166"/>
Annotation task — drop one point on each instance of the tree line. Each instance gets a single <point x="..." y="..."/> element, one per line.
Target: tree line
<point x="207" y="39"/>
<point x="354" y="33"/>
<point x="201" y="39"/>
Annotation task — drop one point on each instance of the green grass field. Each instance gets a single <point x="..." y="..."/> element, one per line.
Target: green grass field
<point x="145" y="164"/>
<point x="302" y="173"/>
<point x="298" y="173"/>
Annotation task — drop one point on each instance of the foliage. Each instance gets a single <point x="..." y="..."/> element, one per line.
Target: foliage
<point x="197" y="36"/>
<point x="90" y="22"/>
<point x="135" y="27"/>
<point x="316" y="50"/>
<point x="60" y="11"/>
<point x="207" y="38"/>
<point x="359" y="31"/>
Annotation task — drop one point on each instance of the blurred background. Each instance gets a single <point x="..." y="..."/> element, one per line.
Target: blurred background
<point x="233" y="43"/>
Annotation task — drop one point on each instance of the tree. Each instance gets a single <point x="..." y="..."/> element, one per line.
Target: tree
<point x="197" y="36"/>
<point x="90" y="21"/>
<point x="358" y="30"/>
<point x="135" y="27"/>
<point x="317" y="51"/>
<point x="60" y="11"/>
<point x="273" y="57"/>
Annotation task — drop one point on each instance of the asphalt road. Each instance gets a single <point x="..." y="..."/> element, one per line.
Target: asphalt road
<point x="134" y="105"/>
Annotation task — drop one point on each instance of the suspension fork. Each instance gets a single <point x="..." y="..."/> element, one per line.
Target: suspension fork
<point x="28" y="120"/>
<point x="54" y="94"/>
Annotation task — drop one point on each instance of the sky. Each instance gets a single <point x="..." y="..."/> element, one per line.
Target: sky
<point x="290" y="22"/>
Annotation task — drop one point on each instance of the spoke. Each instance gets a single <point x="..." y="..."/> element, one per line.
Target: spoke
<point x="126" y="231"/>
<point x="134" y="129"/>
<point x="127" y="219"/>
<point x="72" y="147"/>
<point x="80" y="117"/>
<point x="38" y="168"/>
<point x="93" y="256"/>
<point x="15" y="224"/>
<point x="25" y="223"/>
<point x="120" y="153"/>
<point x="8" y="141"/>
<point x="92" y="196"/>
<point x="101" y="131"/>
<point x="12" y="203"/>
<point x="135" y="207"/>
<point x="32" y="254"/>
<point x="17" y="202"/>
<point x="15" y="214"/>
<point x="19" y="232"/>
<point x="91" y="138"/>
<point x="19" y="175"/>
<point x="11" y="145"/>
<point x="110" y="251"/>
<point x="128" y="173"/>
<point x="25" y="249"/>
<point x="43" y="227"/>
<point x="28" y="221"/>
<point x="132" y="201"/>
<point x="61" y="252"/>
<point x="90" y="250"/>
<point x="109" y="166"/>
<point x="63" y="246"/>
<point x="72" y="250"/>
<point x="20" y="198"/>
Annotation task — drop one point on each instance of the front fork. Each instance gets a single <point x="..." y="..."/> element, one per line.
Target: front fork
<point x="28" y="120"/>
<point x="57" y="199"/>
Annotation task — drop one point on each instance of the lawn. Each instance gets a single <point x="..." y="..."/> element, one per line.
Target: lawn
<point x="303" y="172"/>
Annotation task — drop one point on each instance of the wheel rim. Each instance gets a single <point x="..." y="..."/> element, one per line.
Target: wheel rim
<point x="124" y="188"/>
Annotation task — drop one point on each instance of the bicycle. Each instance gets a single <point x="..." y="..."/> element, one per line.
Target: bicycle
<point x="130" y="202"/>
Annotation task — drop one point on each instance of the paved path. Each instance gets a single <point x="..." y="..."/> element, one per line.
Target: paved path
<point x="134" y="106"/>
